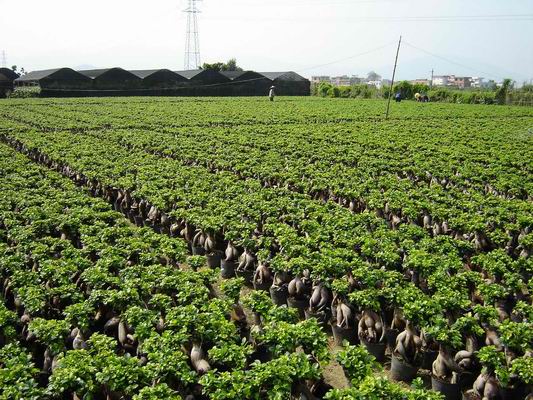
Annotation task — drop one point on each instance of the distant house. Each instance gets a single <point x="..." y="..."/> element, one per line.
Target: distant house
<point x="477" y="82"/>
<point x="443" y="80"/>
<point x="343" y="80"/>
<point x="426" y="82"/>
<point x="319" y="79"/>
<point x="463" y="82"/>
<point x="377" y="84"/>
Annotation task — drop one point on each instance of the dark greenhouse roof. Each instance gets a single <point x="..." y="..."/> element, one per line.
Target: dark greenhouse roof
<point x="9" y="73"/>
<point x="37" y="75"/>
<point x="288" y="75"/>
<point x="233" y="74"/>
<point x="143" y="73"/>
<point x="189" y="74"/>
<point x="94" y="73"/>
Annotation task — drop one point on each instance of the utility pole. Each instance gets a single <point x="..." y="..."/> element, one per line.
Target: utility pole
<point x="393" y="76"/>
<point x="192" y="41"/>
<point x="4" y="59"/>
<point x="431" y="81"/>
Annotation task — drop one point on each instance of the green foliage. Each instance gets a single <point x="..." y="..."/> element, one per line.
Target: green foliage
<point x="51" y="333"/>
<point x="231" y="355"/>
<point x="523" y="368"/>
<point x="282" y="337"/>
<point x="490" y="357"/>
<point x="232" y="288"/>
<point x="18" y="374"/>
<point x="157" y="392"/>
<point x="231" y="65"/>
<point x="274" y="378"/>
<point x="518" y="336"/>
<point x="357" y="363"/>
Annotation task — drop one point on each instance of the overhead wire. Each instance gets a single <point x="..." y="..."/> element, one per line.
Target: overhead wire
<point x="232" y="82"/>
<point x="452" y="61"/>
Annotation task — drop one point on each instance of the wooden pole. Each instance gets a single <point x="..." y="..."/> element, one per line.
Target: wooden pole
<point x="393" y="75"/>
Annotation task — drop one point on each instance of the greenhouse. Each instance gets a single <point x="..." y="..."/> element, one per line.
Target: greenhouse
<point x="65" y="82"/>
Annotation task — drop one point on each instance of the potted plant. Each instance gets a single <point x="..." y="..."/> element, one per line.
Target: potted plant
<point x="344" y="322"/>
<point x="247" y="261"/>
<point x="445" y="371"/>
<point x="498" y="380"/>
<point x="357" y="363"/>
<point x="213" y="254"/>
<point x="370" y="328"/>
<point x="299" y="286"/>
<point x="319" y="303"/>
<point x="406" y="354"/>
<point x="263" y="277"/>
<point x="279" y="291"/>
<point x="229" y="262"/>
<point x="198" y="243"/>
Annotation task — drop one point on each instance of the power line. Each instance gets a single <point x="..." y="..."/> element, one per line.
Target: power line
<point x="347" y="58"/>
<point x="378" y="19"/>
<point x="452" y="61"/>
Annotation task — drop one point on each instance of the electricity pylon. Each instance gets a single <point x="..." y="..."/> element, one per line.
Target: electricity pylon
<point x="192" y="41"/>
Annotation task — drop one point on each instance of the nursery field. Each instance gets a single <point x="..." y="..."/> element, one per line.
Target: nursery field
<point x="238" y="249"/>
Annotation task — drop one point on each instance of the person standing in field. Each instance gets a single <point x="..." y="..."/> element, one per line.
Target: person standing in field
<point x="272" y="93"/>
<point x="398" y="97"/>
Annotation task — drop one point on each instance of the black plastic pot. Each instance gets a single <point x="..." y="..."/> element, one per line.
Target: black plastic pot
<point x="340" y="334"/>
<point x="467" y="379"/>
<point x="138" y="220"/>
<point x="299" y="304"/>
<point x="279" y="294"/>
<point x="513" y="393"/>
<point x="376" y="349"/>
<point x="198" y="251"/>
<point x="247" y="275"/>
<point x="390" y="338"/>
<point x="227" y="269"/>
<point x="402" y="371"/>
<point x="322" y="317"/>
<point x="262" y="354"/>
<point x="262" y="286"/>
<point x="427" y="359"/>
<point x="214" y="259"/>
<point x="451" y="391"/>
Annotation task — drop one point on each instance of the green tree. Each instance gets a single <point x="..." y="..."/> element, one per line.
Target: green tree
<point x="503" y="91"/>
<point x="231" y="65"/>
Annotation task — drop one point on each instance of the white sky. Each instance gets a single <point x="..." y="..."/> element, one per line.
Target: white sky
<point x="271" y="35"/>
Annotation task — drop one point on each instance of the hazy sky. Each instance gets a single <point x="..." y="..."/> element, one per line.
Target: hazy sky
<point x="272" y="35"/>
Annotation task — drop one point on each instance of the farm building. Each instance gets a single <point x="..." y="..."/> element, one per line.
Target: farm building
<point x="163" y="82"/>
<point x="289" y="83"/>
<point x="248" y="83"/>
<point x="113" y="79"/>
<point x="205" y="83"/>
<point x="56" y="82"/>
<point x="160" y="81"/>
<point x="7" y="76"/>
